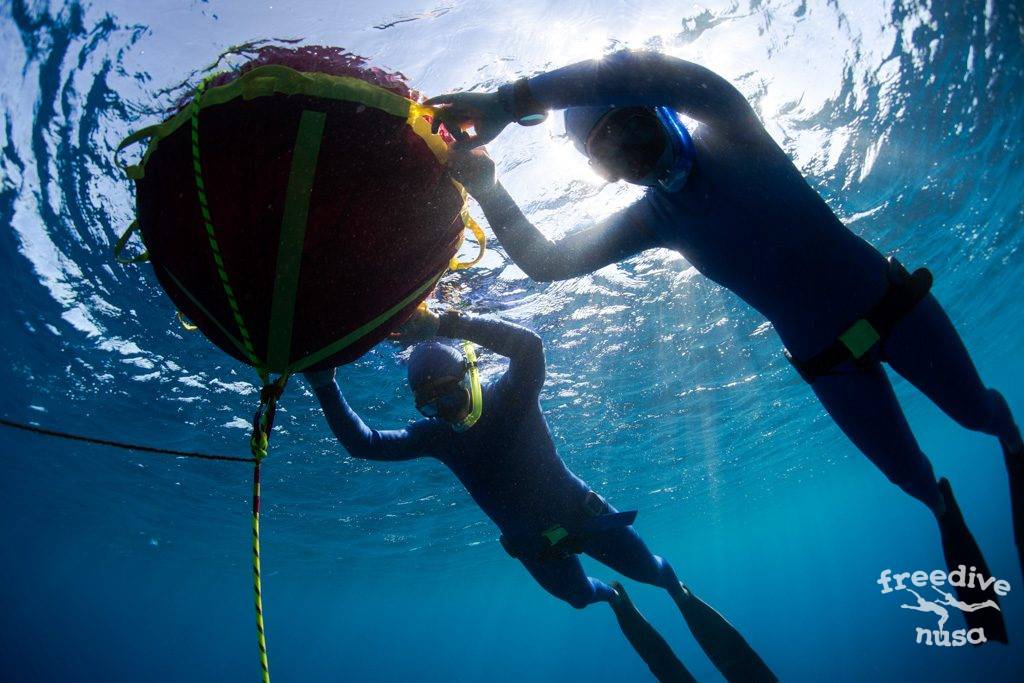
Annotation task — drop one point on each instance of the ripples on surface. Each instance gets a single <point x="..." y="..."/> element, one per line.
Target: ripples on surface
<point x="663" y="390"/>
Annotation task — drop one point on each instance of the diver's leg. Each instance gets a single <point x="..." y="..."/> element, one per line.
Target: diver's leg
<point x="566" y="580"/>
<point x="624" y="551"/>
<point x="926" y="349"/>
<point x="863" y="404"/>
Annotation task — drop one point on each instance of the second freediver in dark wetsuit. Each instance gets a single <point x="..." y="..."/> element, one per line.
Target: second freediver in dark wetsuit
<point x="495" y="439"/>
<point x="734" y="205"/>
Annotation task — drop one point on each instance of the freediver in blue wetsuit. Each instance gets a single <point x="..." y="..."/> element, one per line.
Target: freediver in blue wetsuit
<point x="495" y="439"/>
<point x="734" y="205"/>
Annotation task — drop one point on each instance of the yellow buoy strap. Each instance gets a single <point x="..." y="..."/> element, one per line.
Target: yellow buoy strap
<point x="185" y="324"/>
<point x="418" y="123"/>
<point x="274" y="79"/>
<point x="122" y="242"/>
<point x="481" y="243"/>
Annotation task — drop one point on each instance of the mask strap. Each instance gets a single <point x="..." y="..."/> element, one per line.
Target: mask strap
<point x="596" y="129"/>
<point x="681" y="148"/>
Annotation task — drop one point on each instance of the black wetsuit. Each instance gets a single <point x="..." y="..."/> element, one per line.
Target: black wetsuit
<point x="748" y="220"/>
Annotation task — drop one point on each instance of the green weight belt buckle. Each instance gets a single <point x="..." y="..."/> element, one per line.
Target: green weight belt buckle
<point x="860" y="337"/>
<point x="555" y="534"/>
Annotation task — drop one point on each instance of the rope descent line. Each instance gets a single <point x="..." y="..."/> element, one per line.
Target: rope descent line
<point x="270" y="391"/>
<point x="120" y="444"/>
<point x="262" y="426"/>
<point x="257" y="588"/>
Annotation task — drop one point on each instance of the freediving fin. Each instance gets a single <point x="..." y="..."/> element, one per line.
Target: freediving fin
<point x="647" y="642"/>
<point x="960" y="548"/>
<point x="721" y="642"/>
<point x="1015" y="473"/>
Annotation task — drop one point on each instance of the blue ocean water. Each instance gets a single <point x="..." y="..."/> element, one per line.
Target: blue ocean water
<point x="664" y="392"/>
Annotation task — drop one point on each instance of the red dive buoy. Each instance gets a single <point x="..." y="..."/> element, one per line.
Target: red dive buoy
<point x="298" y="209"/>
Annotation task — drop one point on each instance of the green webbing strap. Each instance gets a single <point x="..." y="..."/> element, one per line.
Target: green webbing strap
<point x="202" y="309"/>
<point x="208" y="223"/>
<point x="122" y="242"/>
<point x="357" y="334"/>
<point x="141" y="134"/>
<point x="293" y="234"/>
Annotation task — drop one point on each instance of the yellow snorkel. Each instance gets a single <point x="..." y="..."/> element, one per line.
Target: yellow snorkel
<point x="476" y="397"/>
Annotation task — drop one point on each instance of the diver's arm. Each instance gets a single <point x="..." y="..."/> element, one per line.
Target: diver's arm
<point x="614" y="239"/>
<point x="617" y="237"/>
<point x="644" y="79"/>
<point x="521" y="346"/>
<point x="358" y="439"/>
<point x="624" y="79"/>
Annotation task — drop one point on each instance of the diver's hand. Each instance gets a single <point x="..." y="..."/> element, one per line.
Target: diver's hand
<point x="474" y="169"/>
<point x="319" y="378"/>
<point x="485" y="112"/>
<point x="422" y="325"/>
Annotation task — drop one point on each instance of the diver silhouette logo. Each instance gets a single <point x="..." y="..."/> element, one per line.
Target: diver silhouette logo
<point x="937" y="606"/>
<point x="964" y="581"/>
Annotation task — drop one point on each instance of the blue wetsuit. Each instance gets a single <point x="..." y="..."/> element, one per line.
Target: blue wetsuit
<point x="508" y="463"/>
<point x="748" y="220"/>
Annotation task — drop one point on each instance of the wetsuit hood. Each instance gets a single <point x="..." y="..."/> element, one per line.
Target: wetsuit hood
<point x="460" y="406"/>
<point x="671" y="170"/>
<point x="579" y="121"/>
<point x="432" y="360"/>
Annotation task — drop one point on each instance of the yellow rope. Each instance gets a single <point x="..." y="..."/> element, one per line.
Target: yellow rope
<point x="204" y="209"/>
<point x="259" y="443"/>
<point x="261" y="638"/>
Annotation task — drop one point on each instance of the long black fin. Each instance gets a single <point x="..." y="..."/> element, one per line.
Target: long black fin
<point x="960" y="548"/>
<point x="1015" y="473"/>
<point x="647" y="642"/>
<point x="727" y="649"/>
